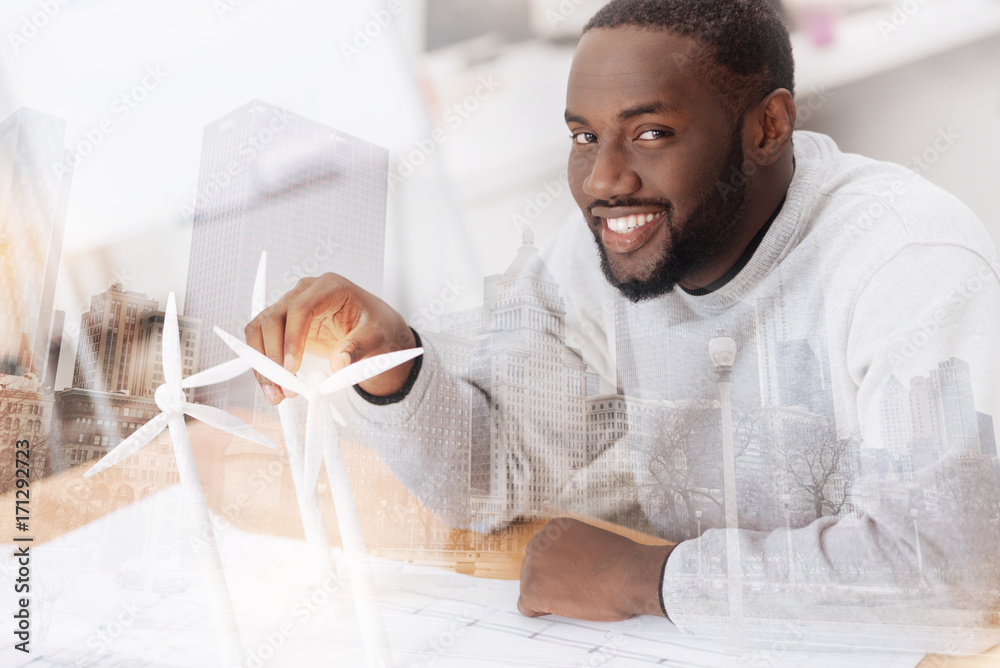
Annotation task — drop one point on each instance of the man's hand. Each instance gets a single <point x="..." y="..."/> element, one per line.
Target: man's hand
<point x="577" y="570"/>
<point x="332" y="318"/>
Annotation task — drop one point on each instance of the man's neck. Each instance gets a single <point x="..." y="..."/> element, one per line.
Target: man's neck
<point x="767" y="192"/>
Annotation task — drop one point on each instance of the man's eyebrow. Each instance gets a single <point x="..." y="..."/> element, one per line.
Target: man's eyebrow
<point x="639" y="110"/>
<point x="648" y="108"/>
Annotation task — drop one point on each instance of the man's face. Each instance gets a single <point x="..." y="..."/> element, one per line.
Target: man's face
<point x="652" y="141"/>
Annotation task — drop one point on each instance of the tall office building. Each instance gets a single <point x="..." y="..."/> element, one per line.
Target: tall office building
<point x="147" y="371"/>
<point x="523" y="365"/>
<point x="925" y="421"/>
<point x="936" y="417"/>
<point x="33" y="201"/>
<point x="108" y="339"/>
<point x="121" y="340"/>
<point x="804" y="377"/>
<point x="987" y="435"/>
<point x="311" y="196"/>
<point x="953" y="380"/>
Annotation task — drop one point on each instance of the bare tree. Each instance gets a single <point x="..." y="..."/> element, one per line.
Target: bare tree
<point x="682" y="457"/>
<point x="820" y="470"/>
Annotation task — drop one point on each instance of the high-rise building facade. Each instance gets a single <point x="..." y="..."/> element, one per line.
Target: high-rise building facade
<point x="311" y="196"/>
<point x="25" y="414"/>
<point x="33" y="199"/>
<point x="121" y="344"/>
<point x="532" y="385"/>
<point x="147" y="374"/>
<point x="933" y="419"/>
<point x="109" y="332"/>
<point x="953" y="380"/>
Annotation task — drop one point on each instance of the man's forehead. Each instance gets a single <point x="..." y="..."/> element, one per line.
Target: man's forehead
<point x="630" y="68"/>
<point x="619" y="51"/>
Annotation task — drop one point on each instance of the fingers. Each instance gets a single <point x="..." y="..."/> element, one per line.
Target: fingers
<point x="266" y="334"/>
<point x="281" y="332"/>
<point x="327" y="295"/>
<point x="255" y="338"/>
<point x="355" y="347"/>
<point x="332" y="317"/>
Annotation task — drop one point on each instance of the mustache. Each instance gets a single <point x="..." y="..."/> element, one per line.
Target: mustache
<point x="632" y="202"/>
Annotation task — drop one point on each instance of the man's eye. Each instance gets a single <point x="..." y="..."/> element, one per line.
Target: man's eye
<point x="655" y="134"/>
<point x="584" y="138"/>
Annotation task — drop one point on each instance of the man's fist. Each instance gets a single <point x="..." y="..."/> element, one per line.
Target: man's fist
<point x="576" y="570"/>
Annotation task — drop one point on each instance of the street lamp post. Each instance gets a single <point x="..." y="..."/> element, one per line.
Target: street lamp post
<point x="786" y="499"/>
<point x="697" y="515"/>
<point x="722" y="350"/>
<point x="916" y="533"/>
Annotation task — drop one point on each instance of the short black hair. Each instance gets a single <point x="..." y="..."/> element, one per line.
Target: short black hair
<point x="746" y="46"/>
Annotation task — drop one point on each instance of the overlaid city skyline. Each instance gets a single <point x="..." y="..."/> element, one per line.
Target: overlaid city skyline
<point x="264" y="185"/>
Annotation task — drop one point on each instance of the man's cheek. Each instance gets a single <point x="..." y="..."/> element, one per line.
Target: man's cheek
<point x="577" y="171"/>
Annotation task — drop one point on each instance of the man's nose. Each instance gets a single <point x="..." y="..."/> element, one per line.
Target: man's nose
<point x="612" y="175"/>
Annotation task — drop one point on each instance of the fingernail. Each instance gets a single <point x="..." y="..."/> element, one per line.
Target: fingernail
<point x="272" y="394"/>
<point x="345" y="358"/>
<point x="289" y="362"/>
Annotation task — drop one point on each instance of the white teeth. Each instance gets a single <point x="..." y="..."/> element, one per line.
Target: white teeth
<point x="622" y="225"/>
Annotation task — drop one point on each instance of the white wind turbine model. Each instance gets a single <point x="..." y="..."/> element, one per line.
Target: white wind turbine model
<point x="171" y="401"/>
<point x="322" y="443"/>
<point x="292" y="416"/>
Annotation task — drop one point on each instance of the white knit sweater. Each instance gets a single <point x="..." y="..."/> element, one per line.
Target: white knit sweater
<point x="863" y="394"/>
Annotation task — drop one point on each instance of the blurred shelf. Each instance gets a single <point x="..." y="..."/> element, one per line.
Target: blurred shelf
<point x="879" y="40"/>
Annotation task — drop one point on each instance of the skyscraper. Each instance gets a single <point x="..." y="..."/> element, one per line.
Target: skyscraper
<point x="953" y="380"/>
<point x="33" y="200"/>
<point x="121" y="339"/>
<point x="522" y="364"/>
<point x="987" y="435"/>
<point x="147" y="371"/>
<point x="311" y="196"/>
<point x="108" y="338"/>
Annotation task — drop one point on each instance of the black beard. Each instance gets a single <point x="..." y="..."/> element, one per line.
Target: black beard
<point x="700" y="238"/>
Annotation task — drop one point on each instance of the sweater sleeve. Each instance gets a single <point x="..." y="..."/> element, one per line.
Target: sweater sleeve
<point x="912" y="561"/>
<point x="492" y="429"/>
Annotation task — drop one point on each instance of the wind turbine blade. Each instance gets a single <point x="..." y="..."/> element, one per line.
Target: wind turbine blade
<point x="171" y="346"/>
<point x="361" y="371"/>
<point x="265" y="366"/>
<point x="226" y="422"/>
<point x="217" y="374"/>
<point x="139" y="438"/>
<point x="317" y="431"/>
<point x="259" y="301"/>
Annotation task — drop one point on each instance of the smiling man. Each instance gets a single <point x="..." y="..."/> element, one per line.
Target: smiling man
<point x="859" y="500"/>
<point x="659" y="130"/>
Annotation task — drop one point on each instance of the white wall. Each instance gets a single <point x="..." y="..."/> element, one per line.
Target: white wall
<point x="898" y="115"/>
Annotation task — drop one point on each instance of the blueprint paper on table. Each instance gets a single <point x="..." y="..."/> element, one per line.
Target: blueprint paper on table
<point x="91" y="614"/>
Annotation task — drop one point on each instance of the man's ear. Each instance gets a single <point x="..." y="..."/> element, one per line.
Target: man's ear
<point x="769" y="126"/>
